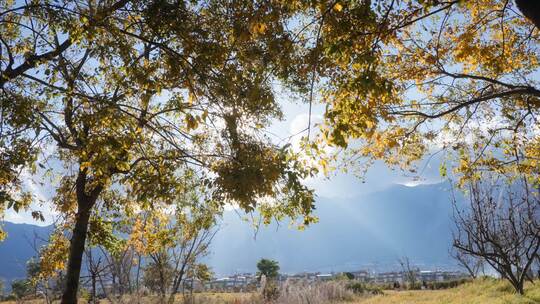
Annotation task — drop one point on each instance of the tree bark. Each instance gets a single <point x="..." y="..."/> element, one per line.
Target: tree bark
<point x="85" y="202"/>
<point x="94" y="296"/>
<point x="76" y="250"/>
<point x="531" y="10"/>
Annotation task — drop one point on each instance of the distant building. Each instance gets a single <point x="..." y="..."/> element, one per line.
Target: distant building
<point x="361" y="275"/>
<point x="388" y="277"/>
<point x="430" y="276"/>
<point x="249" y="281"/>
<point x="439" y="275"/>
<point x="237" y="281"/>
<point x="325" y="277"/>
<point x="420" y="275"/>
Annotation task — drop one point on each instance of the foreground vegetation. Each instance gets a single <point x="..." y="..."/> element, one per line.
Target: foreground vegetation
<point x="480" y="291"/>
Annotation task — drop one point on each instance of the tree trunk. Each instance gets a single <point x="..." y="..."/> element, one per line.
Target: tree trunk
<point x="519" y="288"/>
<point x="85" y="202"/>
<point x="531" y="10"/>
<point x="94" y="280"/>
<point x="76" y="251"/>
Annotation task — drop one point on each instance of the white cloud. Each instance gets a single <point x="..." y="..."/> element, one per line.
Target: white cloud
<point x="301" y="122"/>
<point x="42" y="193"/>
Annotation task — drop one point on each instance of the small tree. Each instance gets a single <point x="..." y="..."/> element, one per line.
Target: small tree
<point x="197" y="272"/>
<point x="175" y="239"/>
<point x="269" y="269"/>
<point x="472" y="264"/>
<point x="409" y="272"/>
<point x="501" y="226"/>
<point x="21" y="288"/>
<point x="95" y="268"/>
<point x="158" y="274"/>
<point x="41" y="283"/>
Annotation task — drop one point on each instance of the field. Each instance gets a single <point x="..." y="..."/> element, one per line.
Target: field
<point x="485" y="291"/>
<point x="482" y="291"/>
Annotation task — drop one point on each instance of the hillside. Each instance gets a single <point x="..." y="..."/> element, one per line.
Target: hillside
<point x="17" y="248"/>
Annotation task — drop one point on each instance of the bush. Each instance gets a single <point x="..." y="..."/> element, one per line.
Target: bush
<point x="21" y="288"/>
<point x="447" y="284"/>
<point x="361" y="288"/>
<point x="271" y="290"/>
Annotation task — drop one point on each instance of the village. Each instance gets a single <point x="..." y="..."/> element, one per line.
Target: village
<point x="248" y="281"/>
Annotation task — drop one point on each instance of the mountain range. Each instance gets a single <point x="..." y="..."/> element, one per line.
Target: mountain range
<point x="20" y="245"/>
<point x="367" y="232"/>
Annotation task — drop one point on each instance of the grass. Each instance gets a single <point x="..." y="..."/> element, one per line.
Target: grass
<point x="481" y="291"/>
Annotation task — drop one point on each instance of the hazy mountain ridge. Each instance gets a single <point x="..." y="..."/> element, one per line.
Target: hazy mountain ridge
<point x="18" y="248"/>
<point x="370" y="231"/>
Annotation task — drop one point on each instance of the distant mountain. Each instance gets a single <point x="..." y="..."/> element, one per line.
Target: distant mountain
<point x="17" y="248"/>
<point x="372" y="232"/>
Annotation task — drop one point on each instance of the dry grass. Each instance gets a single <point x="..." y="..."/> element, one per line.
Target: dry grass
<point x="482" y="291"/>
<point x="297" y="293"/>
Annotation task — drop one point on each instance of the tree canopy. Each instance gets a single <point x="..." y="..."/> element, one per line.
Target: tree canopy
<point x="268" y="268"/>
<point x="406" y="79"/>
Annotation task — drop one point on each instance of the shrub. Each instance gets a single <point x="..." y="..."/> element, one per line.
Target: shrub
<point x="361" y="288"/>
<point x="447" y="284"/>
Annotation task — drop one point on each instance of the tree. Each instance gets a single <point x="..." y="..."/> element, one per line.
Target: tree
<point x="406" y="79"/>
<point x="32" y="271"/>
<point x="95" y="269"/>
<point x="531" y="10"/>
<point x="501" y="226"/>
<point x="197" y="272"/>
<point x="133" y="94"/>
<point x="268" y="268"/>
<point x="409" y="273"/>
<point x="21" y="288"/>
<point x="47" y="286"/>
<point x="175" y="240"/>
<point x="201" y="272"/>
<point x="158" y="274"/>
<point x="473" y="265"/>
<point x="120" y="265"/>
<point x="48" y="273"/>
